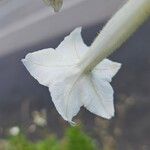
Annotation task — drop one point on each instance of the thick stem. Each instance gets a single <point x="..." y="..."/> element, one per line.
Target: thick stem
<point x="119" y="28"/>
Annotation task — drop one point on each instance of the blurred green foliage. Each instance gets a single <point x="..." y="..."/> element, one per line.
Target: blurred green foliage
<point x="78" y="140"/>
<point x="20" y="142"/>
<point x="74" y="139"/>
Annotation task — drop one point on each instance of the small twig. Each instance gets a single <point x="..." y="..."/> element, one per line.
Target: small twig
<point x="56" y="4"/>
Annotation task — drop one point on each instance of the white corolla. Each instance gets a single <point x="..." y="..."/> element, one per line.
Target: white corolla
<point x="60" y="70"/>
<point x="78" y="75"/>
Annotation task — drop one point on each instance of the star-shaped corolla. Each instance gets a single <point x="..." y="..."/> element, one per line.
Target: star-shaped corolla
<point x="69" y="85"/>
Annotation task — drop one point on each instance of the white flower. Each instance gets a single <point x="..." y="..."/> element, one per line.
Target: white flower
<point x="14" y="131"/>
<point x="77" y="75"/>
<point x="70" y="86"/>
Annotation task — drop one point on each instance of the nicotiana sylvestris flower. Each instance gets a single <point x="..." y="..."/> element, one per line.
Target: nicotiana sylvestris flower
<point x="70" y="87"/>
<point x="78" y="75"/>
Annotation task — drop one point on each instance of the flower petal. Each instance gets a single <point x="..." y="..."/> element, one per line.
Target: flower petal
<point x="107" y="69"/>
<point x="45" y="65"/>
<point x="98" y="97"/>
<point x="73" y="47"/>
<point x="66" y="95"/>
<point x="98" y="92"/>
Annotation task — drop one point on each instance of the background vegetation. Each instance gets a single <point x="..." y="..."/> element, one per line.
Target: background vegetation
<point x="74" y="139"/>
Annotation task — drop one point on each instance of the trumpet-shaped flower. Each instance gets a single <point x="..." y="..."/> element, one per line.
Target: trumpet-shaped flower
<point x="69" y="85"/>
<point x="78" y="75"/>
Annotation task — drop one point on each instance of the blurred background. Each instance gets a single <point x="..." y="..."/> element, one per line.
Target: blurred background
<point x="30" y="25"/>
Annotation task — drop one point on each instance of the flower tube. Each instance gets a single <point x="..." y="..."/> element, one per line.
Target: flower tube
<point x="78" y="75"/>
<point x="118" y="29"/>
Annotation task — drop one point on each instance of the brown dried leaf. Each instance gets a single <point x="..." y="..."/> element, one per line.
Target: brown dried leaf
<point x="56" y="4"/>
